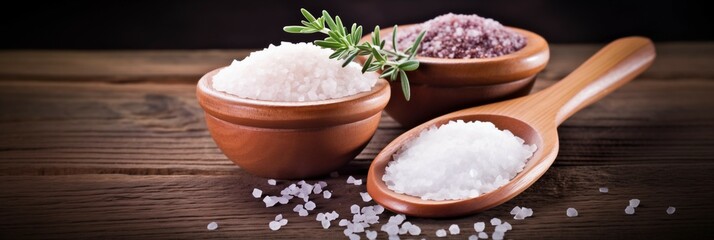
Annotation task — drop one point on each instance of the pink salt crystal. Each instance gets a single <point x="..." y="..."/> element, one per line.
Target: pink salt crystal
<point x="461" y="36"/>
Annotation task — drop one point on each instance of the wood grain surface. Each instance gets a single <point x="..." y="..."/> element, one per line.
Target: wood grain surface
<point x="112" y="144"/>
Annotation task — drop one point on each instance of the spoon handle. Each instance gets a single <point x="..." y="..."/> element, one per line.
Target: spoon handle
<point x="611" y="67"/>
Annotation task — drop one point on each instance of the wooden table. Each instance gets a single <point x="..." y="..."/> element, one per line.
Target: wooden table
<point x="112" y="144"/>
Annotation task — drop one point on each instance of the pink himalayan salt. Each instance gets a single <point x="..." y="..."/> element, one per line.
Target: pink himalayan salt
<point x="460" y="36"/>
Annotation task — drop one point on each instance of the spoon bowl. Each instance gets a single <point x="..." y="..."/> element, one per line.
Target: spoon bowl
<point x="534" y="118"/>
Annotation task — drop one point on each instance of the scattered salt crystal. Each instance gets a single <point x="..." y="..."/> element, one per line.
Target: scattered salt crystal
<point x="287" y="73"/>
<point x="634" y="202"/>
<point x="515" y="210"/>
<point x="501" y="228"/>
<point x="479" y="226"/>
<point x="522" y="213"/>
<point x="269" y="201"/>
<point x="473" y="237"/>
<point x="310" y="205"/>
<point x="495" y="221"/>
<point x="334" y="174"/>
<point x="604" y="190"/>
<point x="272" y="182"/>
<point x="358" y="182"/>
<point x="282" y="200"/>
<point x="670" y="210"/>
<point x="483" y="235"/>
<point x="354" y="237"/>
<point x="354" y="209"/>
<point x="497" y="235"/>
<point x="454" y="229"/>
<point x="473" y="158"/>
<point x="298" y="207"/>
<point x="441" y="233"/>
<point x="392" y="229"/>
<point x="322" y="184"/>
<point x="414" y="230"/>
<point x="365" y="196"/>
<point x="378" y="209"/>
<point x="320" y="217"/>
<point x="274" y="225"/>
<point x="283" y="222"/>
<point x="317" y="189"/>
<point x="507" y="225"/>
<point x="350" y="179"/>
<point x="629" y="210"/>
<point x="212" y="226"/>
<point x="257" y="193"/>
<point x="278" y="217"/>
<point x="302" y="212"/>
<point x="325" y="224"/>
<point x="343" y="222"/>
<point x="371" y="235"/>
<point x="571" y="212"/>
<point x="326" y="194"/>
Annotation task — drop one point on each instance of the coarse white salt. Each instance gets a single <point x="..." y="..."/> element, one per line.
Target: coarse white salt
<point x="283" y="222"/>
<point x="212" y="226"/>
<point x="457" y="160"/>
<point x="495" y="221"/>
<point x="354" y="209"/>
<point x="479" y="226"/>
<point x="604" y="190"/>
<point x="350" y="179"/>
<point x="454" y="229"/>
<point x="629" y="210"/>
<point x="497" y="235"/>
<point x="365" y="196"/>
<point x="257" y="193"/>
<point x="272" y="182"/>
<point x="354" y="237"/>
<point x="473" y="237"/>
<point x="571" y="212"/>
<point x="521" y="213"/>
<point x="325" y="224"/>
<point x="298" y="207"/>
<point x="515" y="210"/>
<point x="317" y="189"/>
<point x="670" y="210"/>
<point x="274" y="225"/>
<point x="634" y="202"/>
<point x="293" y="72"/>
<point x="310" y="205"/>
<point x="270" y="201"/>
<point x="302" y="213"/>
<point x="358" y="182"/>
<point x="441" y="233"/>
<point x="483" y="235"/>
<point x="371" y="235"/>
<point x="414" y="230"/>
<point x="326" y="194"/>
<point x="278" y="217"/>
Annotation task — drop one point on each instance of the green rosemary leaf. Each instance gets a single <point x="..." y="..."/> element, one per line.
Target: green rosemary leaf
<point x="377" y="55"/>
<point x="307" y="15"/>
<point x="409" y="65"/>
<point x="415" y="47"/>
<point x="357" y="33"/>
<point x="294" y="29"/>
<point x="394" y="74"/>
<point x="336" y="54"/>
<point x="375" y="36"/>
<point x="330" y="22"/>
<point x="327" y="44"/>
<point x="367" y="63"/>
<point x="340" y="27"/>
<point x="405" y="84"/>
<point x="349" y="59"/>
<point x="394" y="38"/>
<point x="387" y="73"/>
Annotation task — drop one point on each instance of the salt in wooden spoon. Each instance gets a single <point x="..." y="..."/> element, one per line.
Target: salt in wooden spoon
<point x="534" y="118"/>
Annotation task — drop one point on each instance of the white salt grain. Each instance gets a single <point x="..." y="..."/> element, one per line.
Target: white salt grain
<point x="365" y="197"/>
<point x="515" y="210"/>
<point x="457" y="160"/>
<point x="414" y="230"/>
<point x="358" y="182"/>
<point x="310" y="205"/>
<point x="257" y="193"/>
<point x="483" y="235"/>
<point x="634" y="202"/>
<point x="473" y="237"/>
<point x="293" y="72"/>
<point x="274" y="225"/>
<point x="604" y="190"/>
<point x="269" y="201"/>
<point x="441" y="233"/>
<point x="278" y="217"/>
<point x="670" y="210"/>
<point x="298" y="207"/>
<point x="354" y="209"/>
<point x="212" y="226"/>
<point x="325" y="224"/>
<point x="629" y="210"/>
<point x="371" y="235"/>
<point x="326" y="194"/>
<point x="495" y="221"/>
<point x="479" y="226"/>
<point x="354" y="237"/>
<point x="302" y="212"/>
<point x="454" y="229"/>
<point x="571" y="212"/>
<point x="497" y="235"/>
<point x="350" y="179"/>
<point x="272" y="182"/>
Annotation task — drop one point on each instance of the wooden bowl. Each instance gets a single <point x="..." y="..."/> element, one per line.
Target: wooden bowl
<point x="441" y="85"/>
<point x="291" y="140"/>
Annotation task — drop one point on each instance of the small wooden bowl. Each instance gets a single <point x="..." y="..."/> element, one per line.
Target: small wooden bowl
<point x="291" y="140"/>
<point x="441" y="85"/>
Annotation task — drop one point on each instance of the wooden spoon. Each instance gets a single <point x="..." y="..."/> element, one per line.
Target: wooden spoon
<point x="534" y="118"/>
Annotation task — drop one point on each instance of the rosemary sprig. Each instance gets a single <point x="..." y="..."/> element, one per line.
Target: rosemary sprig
<point x="393" y="63"/>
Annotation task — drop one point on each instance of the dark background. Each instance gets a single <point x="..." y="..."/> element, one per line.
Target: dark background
<point x="255" y="24"/>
